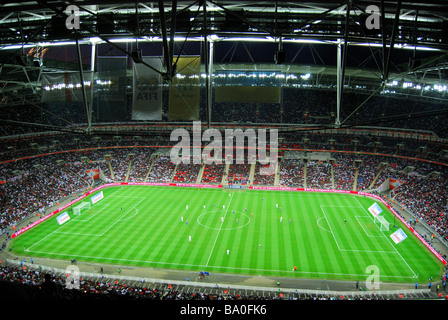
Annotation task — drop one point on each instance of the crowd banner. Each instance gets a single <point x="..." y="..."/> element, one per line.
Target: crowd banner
<point x="184" y="91"/>
<point x="94" y="173"/>
<point x="102" y="176"/>
<point x="110" y="88"/>
<point x="147" y="90"/>
<point x="395" y="183"/>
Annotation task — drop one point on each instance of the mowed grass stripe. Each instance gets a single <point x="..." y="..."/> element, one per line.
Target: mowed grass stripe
<point x="258" y="252"/>
<point x="318" y="236"/>
<point x="239" y="236"/>
<point x="319" y="239"/>
<point x="225" y="238"/>
<point x="294" y="246"/>
<point x="337" y="209"/>
<point x="165" y="228"/>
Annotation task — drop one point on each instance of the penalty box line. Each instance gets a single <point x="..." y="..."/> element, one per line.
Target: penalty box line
<point x="335" y="238"/>
<point x="121" y="217"/>
<point x="396" y="251"/>
<point x="367" y="251"/>
<point x="83" y="234"/>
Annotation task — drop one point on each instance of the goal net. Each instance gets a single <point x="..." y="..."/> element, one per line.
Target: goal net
<point x="383" y="224"/>
<point x="83" y="206"/>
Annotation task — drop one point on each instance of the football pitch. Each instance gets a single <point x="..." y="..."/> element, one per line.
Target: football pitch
<point x="250" y="232"/>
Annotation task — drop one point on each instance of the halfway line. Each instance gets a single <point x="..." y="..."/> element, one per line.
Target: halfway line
<point x="219" y="231"/>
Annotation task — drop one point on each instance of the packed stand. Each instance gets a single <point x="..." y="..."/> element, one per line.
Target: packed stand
<point x="213" y="173"/>
<point x="187" y="173"/>
<point x="162" y="169"/>
<point x="428" y="200"/>
<point x="291" y="173"/>
<point x="120" y="163"/>
<point x="262" y="179"/>
<point x="239" y="173"/>
<point x="140" y="165"/>
<point x="318" y="175"/>
<point x="33" y="185"/>
<point x="344" y="172"/>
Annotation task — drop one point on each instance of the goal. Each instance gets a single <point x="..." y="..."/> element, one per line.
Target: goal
<point x="79" y="207"/>
<point x="382" y="222"/>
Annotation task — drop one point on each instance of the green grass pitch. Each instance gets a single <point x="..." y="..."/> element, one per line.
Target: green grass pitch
<point x="252" y="232"/>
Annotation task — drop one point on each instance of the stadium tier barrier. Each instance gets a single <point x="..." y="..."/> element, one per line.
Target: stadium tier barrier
<point x="191" y="185"/>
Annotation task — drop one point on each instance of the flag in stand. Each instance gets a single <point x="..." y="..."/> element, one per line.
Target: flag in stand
<point x="395" y="183"/>
<point x="94" y="173"/>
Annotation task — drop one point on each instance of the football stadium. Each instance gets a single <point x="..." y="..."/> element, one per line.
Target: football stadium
<point x="223" y="150"/>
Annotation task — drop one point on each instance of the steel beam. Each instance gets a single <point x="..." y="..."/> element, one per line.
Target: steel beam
<point x="341" y="65"/>
<point x="87" y="105"/>
<point x="392" y="43"/>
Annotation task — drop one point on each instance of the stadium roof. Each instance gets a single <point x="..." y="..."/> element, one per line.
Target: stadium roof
<point x="403" y="24"/>
<point x="417" y="29"/>
<point x="417" y="23"/>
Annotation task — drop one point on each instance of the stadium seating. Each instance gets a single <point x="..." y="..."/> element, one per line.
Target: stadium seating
<point x="55" y="169"/>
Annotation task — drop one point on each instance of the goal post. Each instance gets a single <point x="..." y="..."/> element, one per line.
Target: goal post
<point x="379" y="220"/>
<point x="384" y="225"/>
<point x="83" y="206"/>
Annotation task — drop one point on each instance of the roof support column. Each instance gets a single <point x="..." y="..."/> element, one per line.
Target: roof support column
<point x="168" y="59"/>
<point x="87" y="104"/>
<point x="341" y="63"/>
<point x="338" y="84"/>
<point x="391" y="45"/>
<point x="208" y="62"/>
